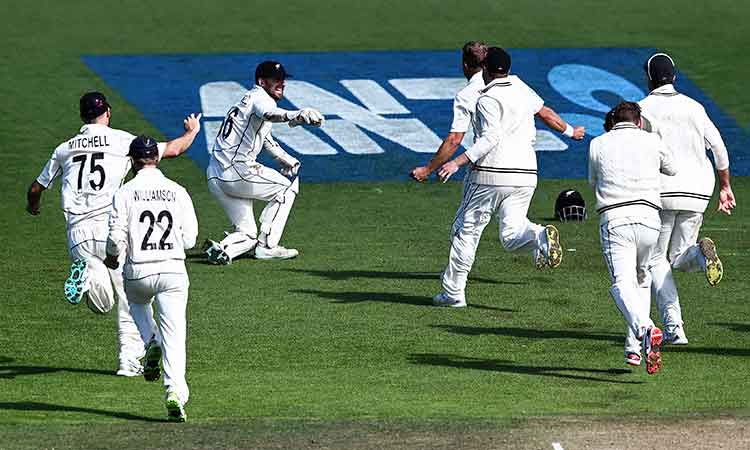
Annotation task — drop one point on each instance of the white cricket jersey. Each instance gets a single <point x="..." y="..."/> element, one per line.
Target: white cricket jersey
<point x="153" y="221"/>
<point x="93" y="165"/>
<point x="503" y="152"/>
<point x="687" y="130"/>
<point x="465" y="105"/>
<point x="624" y="170"/>
<point x="245" y="129"/>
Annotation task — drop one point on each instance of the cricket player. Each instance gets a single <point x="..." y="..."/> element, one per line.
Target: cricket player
<point x="236" y="178"/>
<point x="624" y="168"/>
<point x="686" y="129"/>
<point x="153" y="222"/>
<point x="502" y="177"/>
<point x="92" y="165"/>
<point x="464" y="108"/>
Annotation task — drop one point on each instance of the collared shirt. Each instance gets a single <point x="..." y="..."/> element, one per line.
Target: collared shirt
<point x="246" y="129"/>
<point x="465" y="105"/>
<point x="624" y="170"/>
<point x="152" y="221"/>
<point x="503" y="154"/>
<point x="686" y="129"/>
<point x="92" y="165"/>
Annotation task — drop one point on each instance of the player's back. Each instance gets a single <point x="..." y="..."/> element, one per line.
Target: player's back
<point x="92" y="165"/>
<point x="512" y="162"/>
<point x="687" y="130"/>
<point x="680" y="121"/>
<point x="626" y="164"/>
<point x="241" y="135"/>
<point x="160" y="220"/>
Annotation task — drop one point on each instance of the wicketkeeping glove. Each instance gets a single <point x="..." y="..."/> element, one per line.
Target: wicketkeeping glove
<point x="290" y="166"/>
<point x="307" y="116"/>
<point x="290" y="171"/>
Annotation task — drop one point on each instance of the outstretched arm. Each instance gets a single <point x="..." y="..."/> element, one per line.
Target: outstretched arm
<point x="178" y="146"/>
<point x="554" y="121"/>
<point x="443" y="154"/>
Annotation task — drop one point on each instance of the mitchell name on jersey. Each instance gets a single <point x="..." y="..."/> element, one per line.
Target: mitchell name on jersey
<point x="80" y="142"/>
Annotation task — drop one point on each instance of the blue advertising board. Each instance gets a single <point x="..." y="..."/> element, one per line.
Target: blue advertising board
<point x="388" y="111"/>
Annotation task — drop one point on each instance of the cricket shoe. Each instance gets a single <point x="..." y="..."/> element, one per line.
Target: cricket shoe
<point x="130" y="369"/>
<point x="714" y="268"/>
<point x="652" y="340"/>
<point x="151" y="369"/>
<point x="75" y="284"/>
<point x="216" y="254"/>
<point x="632" y="359"/>
<point x="552" y="257"/>
<point x="675" y="335"/>
<point x="175" y="408"/>
<point x="278" y="252"/>
<point x="442" y="299"/>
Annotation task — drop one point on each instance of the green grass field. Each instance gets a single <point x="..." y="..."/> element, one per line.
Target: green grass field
<point x="340" y="348"/>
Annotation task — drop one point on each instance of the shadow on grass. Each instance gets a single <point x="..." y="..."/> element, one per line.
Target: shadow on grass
<point x="358" y="297"/>
<point x="717" y="351"/>
<point x="48" y="407"/>
<point x="733" y="326"/>
<point x="533" y="333"/>
<point x="388" y="297"/>
<point x="497" y="365"/>
<point x="344" y="275"/>
<point x="12" y="371"/>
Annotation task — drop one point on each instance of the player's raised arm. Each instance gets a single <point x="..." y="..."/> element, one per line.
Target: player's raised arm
<point x="554" y="121"/>
<point x="178" y="146"/>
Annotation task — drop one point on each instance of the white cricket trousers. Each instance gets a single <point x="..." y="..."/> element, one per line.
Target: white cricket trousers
<point x="678" y="244"/>
<point x="170" y="291"/>
<point x="88" y="240"/>
<point x="676" y="249"/>
<point x="236" y="187"/>
<point x="510" y="204"/>
<point x="628" y="245"/>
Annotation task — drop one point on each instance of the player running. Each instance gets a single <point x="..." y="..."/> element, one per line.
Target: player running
<point x="464" y="108"/>
<point x="502" y="177"/>
<point x="92" y="165"/>
<point x="686" y="129"/>
<point x="153" y="222"/>
<point x="236" y="178"/>
<point x="624" y="167"/>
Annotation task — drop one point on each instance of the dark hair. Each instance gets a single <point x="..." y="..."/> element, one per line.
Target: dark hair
<point x="497" y="61"/>
<point x="473" y="54"/>
<point x="627" y="112"/>
<point x="609" y="120"/>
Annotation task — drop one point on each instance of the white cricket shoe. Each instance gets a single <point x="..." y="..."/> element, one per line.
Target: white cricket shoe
<point x="632" y="359"/>
<point x="278" y="252"/>
<point x="675" y="335"/>
<point x="130" y="369"/>
<point x="442" y="299"/>
<point x="175" y="408"/>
